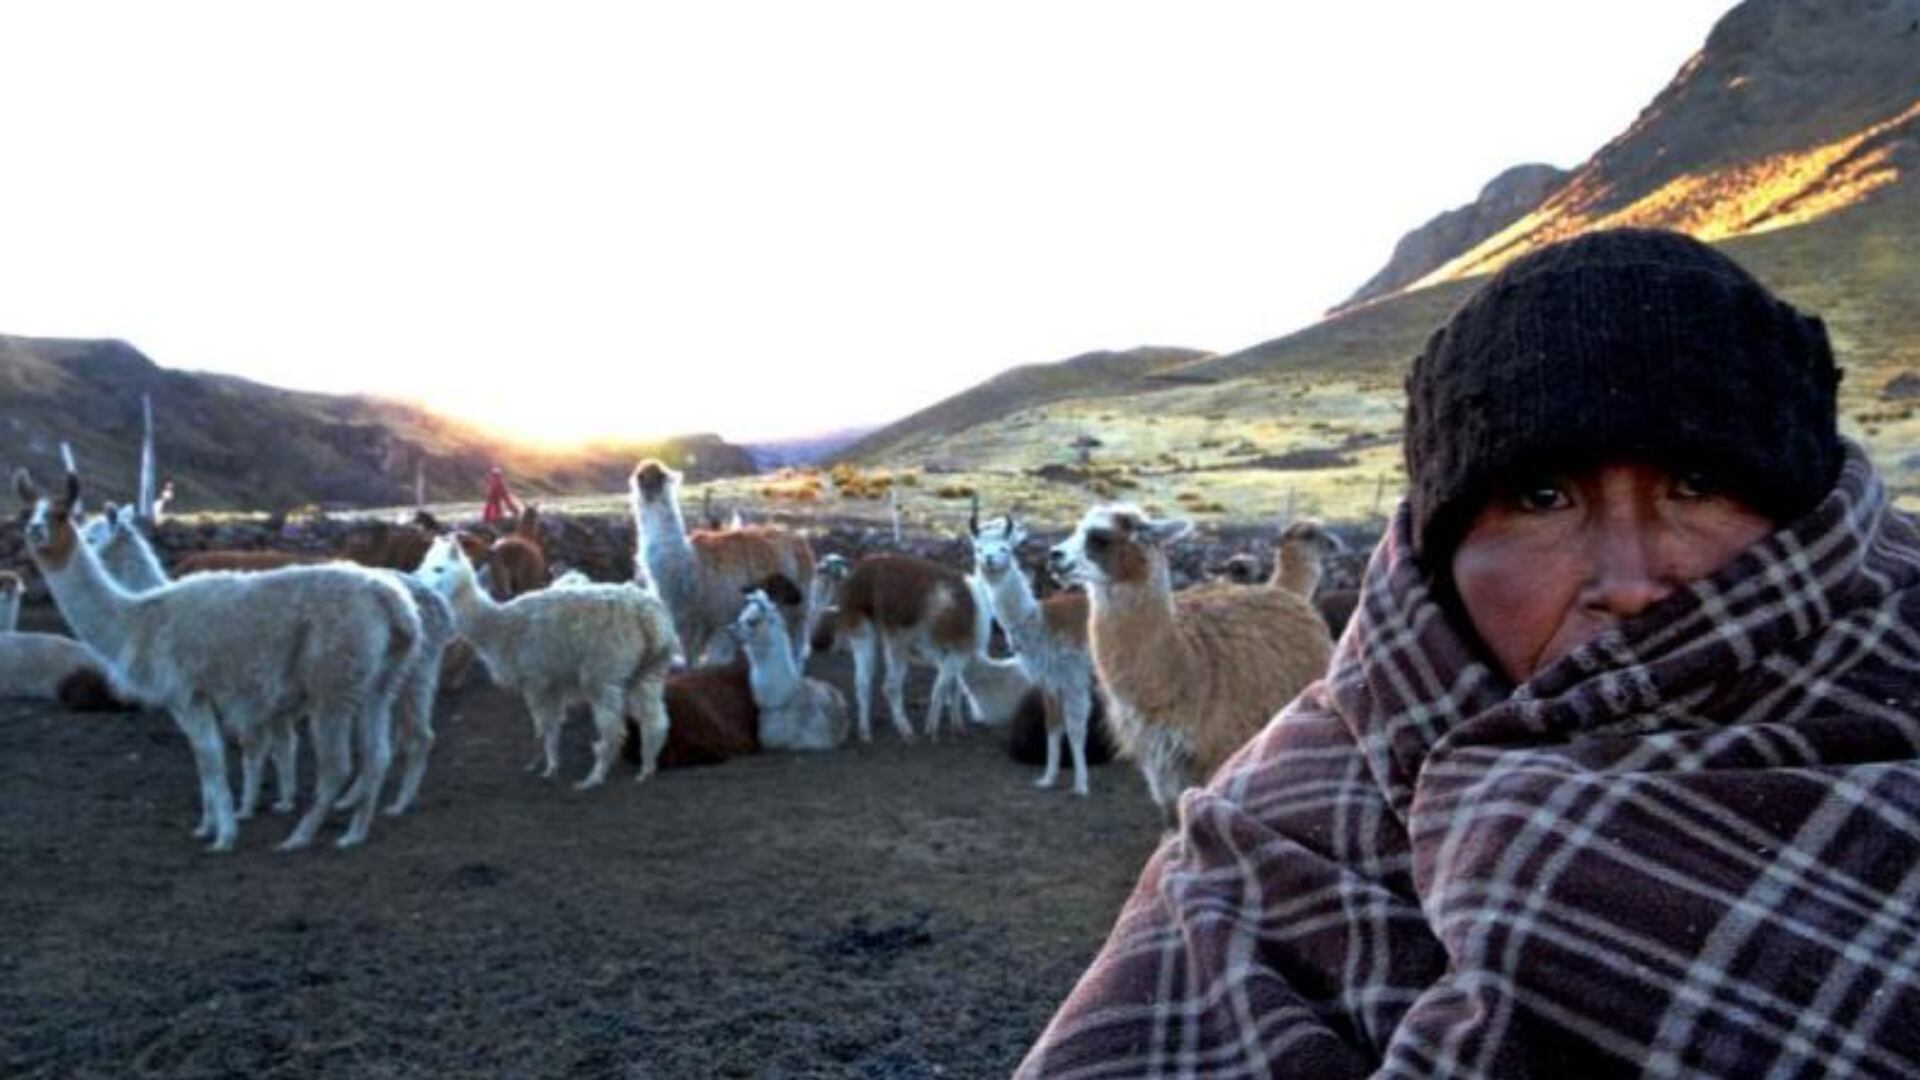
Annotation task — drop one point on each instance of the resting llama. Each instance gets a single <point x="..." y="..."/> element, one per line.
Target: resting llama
<point x="234" y="652"/>
<point x="1188" y="677"/>
<point x="47" y="667"/>
<point x="1049" y="638"/>
<point x="701" y="577"/>
<point x="796" y="713"/>
<point x="606" y="645"/>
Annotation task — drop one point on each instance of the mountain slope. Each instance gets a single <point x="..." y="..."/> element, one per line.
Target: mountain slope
<point x="1792" y="110"/>
<point x="1507" y="197"/>
<point x="1089" y="375"/>
<point x="228" y="443"/>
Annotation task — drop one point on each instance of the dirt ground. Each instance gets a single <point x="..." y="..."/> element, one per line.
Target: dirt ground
<point x="890" y="910"/>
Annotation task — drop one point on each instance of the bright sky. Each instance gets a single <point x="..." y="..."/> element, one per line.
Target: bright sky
<point x="763" y="218"/>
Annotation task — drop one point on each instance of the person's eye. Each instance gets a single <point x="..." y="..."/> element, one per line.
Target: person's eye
<point x="1697" y="484"/>
<point x="1542" y="495"/>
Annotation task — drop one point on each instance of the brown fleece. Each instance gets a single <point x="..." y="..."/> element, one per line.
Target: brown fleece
<point x="200" y="562"/>
<point x="1217" y="663"/>
<point x="900" y="592"/>
<point x="712" y="718"/>
<point x="1066" y="617"/>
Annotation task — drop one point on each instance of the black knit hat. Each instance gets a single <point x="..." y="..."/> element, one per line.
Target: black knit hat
<point x="1625" y="343"/>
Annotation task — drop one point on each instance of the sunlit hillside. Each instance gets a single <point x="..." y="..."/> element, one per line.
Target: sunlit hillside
<point x="1792" y="110"/>
<point x="1311" y="421"/>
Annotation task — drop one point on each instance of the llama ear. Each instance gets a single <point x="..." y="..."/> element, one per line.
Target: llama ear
<point x="24" y="486"/>
<point x="1165" y="532"/>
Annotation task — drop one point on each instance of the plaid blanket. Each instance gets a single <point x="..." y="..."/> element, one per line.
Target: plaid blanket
<point x="1691" y="847"/>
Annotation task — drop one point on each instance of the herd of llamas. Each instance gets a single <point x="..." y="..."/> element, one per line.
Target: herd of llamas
<point x="701" y="658"/>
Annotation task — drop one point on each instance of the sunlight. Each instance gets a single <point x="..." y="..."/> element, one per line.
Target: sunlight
<point x="1774" y="192"/>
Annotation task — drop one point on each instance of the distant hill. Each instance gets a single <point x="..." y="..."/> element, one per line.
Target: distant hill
<point x="1791" y="140"/>
<point x="807" y="450"/>
<point x="1792" y="110"/>
<point x="228" y="443"/>
<point x="1506" y="198"/>
<point x="1088" y="375"/>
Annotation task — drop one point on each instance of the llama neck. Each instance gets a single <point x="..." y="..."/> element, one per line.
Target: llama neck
<point x="771" y="670"/>
<point x="664" y="547"/>
<point x="132" y="562"/>
<point x="93" y="606"/>
<point x="1018" y="611"/>
<point x="1132" y="619"/>
<point x="476" y="615"/>
<point x="1296" y="570"/>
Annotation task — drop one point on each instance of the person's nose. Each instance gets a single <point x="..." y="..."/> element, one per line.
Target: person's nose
<point x="1627" y="572"/>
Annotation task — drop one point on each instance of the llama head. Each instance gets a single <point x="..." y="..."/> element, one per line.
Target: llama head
<point x="49" y="521"/>
<point x="994" y="546"/>
<point x="758" y="621"/>
<point x="444" y="568"/>
<point x="1241" y="569"/>
<point x="1115" y="545"/>
<point x="833" y="569"/>
<point x="1308" y="534"/>
<point x="654" y="483"/>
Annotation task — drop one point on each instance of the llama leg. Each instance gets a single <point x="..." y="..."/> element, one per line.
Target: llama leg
<point x="937" y="702"/>
<point x="1078" y="708"/>
<point x="253" y="767"/>
<point x="416" y="734"/>
<point x="864" y="647"/>
<point x="286" y="764"/>
<point x="210" y="761"/>
<point x="647" y="700"/>
<point x="549" y="716"/>
<point x="1052" y="706"/>
<point x="610" y="727"/>
<point x="375" y="731"/>
<point x="899" y="657"/>
<point x="332" y="726"/>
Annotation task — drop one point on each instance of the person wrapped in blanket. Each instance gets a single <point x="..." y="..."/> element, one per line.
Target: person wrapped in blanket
<point x="1616" y="771"/>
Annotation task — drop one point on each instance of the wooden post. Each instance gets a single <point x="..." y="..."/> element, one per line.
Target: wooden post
<point x="893" y="508"/>
<point x="1379" y="490"/>
<point x="420" y="483"/>
<point x="143" y="498"/>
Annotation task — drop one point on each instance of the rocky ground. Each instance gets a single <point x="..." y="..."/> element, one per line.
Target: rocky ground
<point x="891" y="910"/>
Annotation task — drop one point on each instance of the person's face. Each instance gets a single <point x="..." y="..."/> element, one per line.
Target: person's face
<point x="1551" y="561"/>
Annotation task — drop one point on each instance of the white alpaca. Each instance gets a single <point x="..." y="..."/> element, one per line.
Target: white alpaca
<point x="233" y="652"/>
<point x="607" y="645"/>
<point x="116" y="536"/>
<point x="702" y="577"/>
<point x="1050" y="641"/>
<point x="796" y="713"/>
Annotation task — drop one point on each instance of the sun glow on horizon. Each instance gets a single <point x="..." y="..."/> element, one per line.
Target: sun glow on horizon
<point x="763" y="221"/>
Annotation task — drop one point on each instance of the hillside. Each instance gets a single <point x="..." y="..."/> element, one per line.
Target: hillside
<point x="228" y="443"/>
<point x="1792" y="110"/>
<point x="1505" y="199"/>
<point x="1089" y="375"/>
